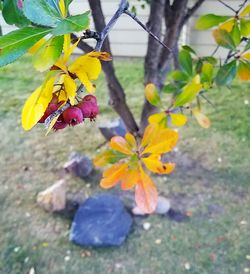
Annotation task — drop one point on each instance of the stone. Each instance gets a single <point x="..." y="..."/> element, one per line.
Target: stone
<point x="163" y="206"/>
<point x="177" y="216"/>
<point x="53" y="199"/>
<point x="79" y="165"/>
<point x="101" y="221"/>
<point x="146" y="226"/>
<point x="113" y="128"/>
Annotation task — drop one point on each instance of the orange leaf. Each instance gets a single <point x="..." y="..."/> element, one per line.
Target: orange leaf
<point x="104" y="56"/>
<point x="113" y="175"/>
<point x="118" y="143"/>
<point x="244" y="71"/>
<point x="201" y="118"/>
<point x="146" y="195"/>
<point x="130" y="179"/>
<point x="154" y="164"/>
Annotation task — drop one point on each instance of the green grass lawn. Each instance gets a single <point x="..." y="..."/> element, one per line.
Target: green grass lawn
<point x="211" y="181"/>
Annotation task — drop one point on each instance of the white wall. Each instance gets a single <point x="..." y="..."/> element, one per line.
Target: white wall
<point x="128" y="39"/>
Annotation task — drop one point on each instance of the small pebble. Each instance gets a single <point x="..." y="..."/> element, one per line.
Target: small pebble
<point x="26" y="260"/>
<point x="32" y="271"/>
<point x="146" y="226"/>
<point x="27" y="214"/>
<point x="219" y="160"/>
<point x="248" y="257"/>
<point x="246" y="270"/>
<point x="246" y="102"/>
<point x="158" y="241"/>
<point x="16" y="249"/>
<point x="187" y="266"/>
<point x="176" y="149"/>
<point x="66" y="258"/>
<point x="243" y="222"/>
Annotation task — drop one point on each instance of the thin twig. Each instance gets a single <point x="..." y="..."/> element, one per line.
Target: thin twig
<point x="122" y="8"/>
<point x="241" y="6"/>
<point x="136" y="19"/>
<point x="229" y="7"/>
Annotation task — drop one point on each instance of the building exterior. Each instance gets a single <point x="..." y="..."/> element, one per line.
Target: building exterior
<point x="129" y="40"/>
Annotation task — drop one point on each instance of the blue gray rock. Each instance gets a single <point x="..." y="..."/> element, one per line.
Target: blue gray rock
<point x="79" y="165"/>
<point x="113" y="128"/>
<point x="101" y="221"/>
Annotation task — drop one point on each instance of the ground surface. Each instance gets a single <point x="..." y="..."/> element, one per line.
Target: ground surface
<point x="211" y="182"/>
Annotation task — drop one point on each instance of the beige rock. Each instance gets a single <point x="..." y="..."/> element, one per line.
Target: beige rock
<point x="53" y="198"/>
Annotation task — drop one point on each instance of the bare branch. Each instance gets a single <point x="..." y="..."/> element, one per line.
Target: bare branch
<point x="192" y="10"/>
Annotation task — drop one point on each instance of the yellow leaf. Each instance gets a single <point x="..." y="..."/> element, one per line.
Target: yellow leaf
<point x="68" y="50"/>
<point x="36" y="104"/>
<point x="162" y="142"/>
<point x="130" y="139"/>
<point x="245" y="11"/>
<point x="178" y="119"/>
<point x="62" y="8"/>
<point x="146" y="195"/>
<point x="83" y="77"/>
<point x="90" y="65"/>
<point x="113" y="175"/>
<point x="158" y="118"/>
<point x="152" y="95"/>
<point x="70" y="88"/>
<point x="201" y="118"/>
<point x="118" y="143"/>
<point x="37" y="46"/>
<point x="149" y="133"/>
<point x="246" y="56"/>
<point x="154" y="164"/>
<point x="228" y="25"/>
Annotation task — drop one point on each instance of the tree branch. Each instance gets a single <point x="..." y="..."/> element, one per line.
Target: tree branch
<point x="192" y="10"/>
<point x="152" y="56"/>
<point x="116" y="92"/>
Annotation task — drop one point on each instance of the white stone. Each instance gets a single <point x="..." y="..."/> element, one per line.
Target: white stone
<point x="137" y="211"/>
<point x="187" y="266"/>
<point x="146" y="226"/>
<point x="163" y="205"/>
<point x="53" y="198"/>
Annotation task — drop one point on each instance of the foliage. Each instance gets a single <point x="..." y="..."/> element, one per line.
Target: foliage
<point x="45" y="29"/>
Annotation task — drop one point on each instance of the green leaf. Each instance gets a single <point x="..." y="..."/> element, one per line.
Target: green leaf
<point x="16" y="43"/>
<point x="207" y="72"/>
<point x="48" y="54"/>
<point x="210" y="59"/>
<point x="189" y="49"/>
<point x="226" y="74"/>
<point x="223" y="39"/>
<point x="152" y="95"/>
<point x="43" y="12"/>
<point x="178" y="75"/>
<point x="210" y="20"/>
<point x="189" y="92"/>
<point x="72" y="24"/>
<point x="13" y="15"/>
<point x="186" y="62"/>
<point x="245" y="27"/>
<point x="235" y="34"/>
<point x="169" y="88"/>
